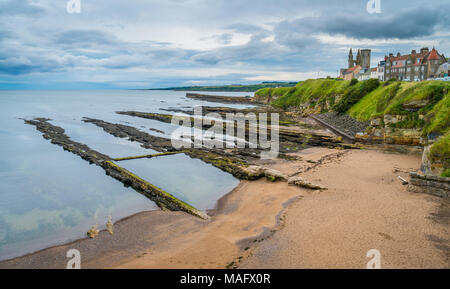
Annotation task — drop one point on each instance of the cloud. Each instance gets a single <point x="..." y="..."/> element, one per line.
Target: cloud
<point x="404" y="24"/>
<point x="20" y="7"/>
<point x="179" y="41"/>
<point x="410" y="23"/>
<point x="86" y="38"/>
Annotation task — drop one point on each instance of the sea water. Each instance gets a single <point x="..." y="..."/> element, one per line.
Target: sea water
<point x="49" y="196"/>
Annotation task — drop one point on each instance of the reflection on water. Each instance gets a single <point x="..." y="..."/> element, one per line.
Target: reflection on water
<point x="190" y="180"/>
<point x="48" y="196"/>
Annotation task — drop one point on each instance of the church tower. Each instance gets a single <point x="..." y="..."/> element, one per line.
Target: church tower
<point x="359" y="58"/>
<point x="365" y="58"/>
<point x="351" y="62"/>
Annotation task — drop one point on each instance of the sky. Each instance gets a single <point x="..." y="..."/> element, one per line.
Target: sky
<point x="116" y="44"/>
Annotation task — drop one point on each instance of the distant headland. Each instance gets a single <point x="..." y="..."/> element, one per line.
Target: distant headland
<point x="232" y="87"/>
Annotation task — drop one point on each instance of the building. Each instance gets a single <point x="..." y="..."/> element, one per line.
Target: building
<point x="380" y="70"/>
<point x="362" y="62"/>
<point x="350" y="73"/>
<point x="444" y="70"/>
<point x="374" y="72"/>
<point x="414" y="66"/>
<point x="364" y="74"/>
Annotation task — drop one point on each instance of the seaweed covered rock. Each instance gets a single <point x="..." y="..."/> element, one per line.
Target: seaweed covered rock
<point x="274" y="175"/>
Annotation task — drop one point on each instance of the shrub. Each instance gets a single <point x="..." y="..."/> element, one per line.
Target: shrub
<point x="355" y="93"/>
<point x="353" y="81"/>
<point x="440" y="152"/>
<point x="390" y="81"/>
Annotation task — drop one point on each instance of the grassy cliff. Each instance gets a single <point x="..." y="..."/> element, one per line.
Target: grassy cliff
<point x="424" y="105"/>
<point x="420" y="107"/>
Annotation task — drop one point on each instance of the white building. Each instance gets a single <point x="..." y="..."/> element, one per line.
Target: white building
<point x="380" y="70"/>
<point x="364" y="74"/>
<point x="374" y="73"/>
<point x="443" y="70"/>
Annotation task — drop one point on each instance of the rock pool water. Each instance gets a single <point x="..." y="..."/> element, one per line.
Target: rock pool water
<point x="49" y="196"/>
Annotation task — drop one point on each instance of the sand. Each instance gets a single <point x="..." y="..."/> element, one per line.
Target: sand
<point x="262" y="224"/>
<point x="366" y="207"/>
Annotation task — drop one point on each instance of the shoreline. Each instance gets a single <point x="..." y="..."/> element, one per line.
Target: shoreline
<point x="210" y="212"/>
<point x="248" y="218"/>
<point x="224" y="206"/>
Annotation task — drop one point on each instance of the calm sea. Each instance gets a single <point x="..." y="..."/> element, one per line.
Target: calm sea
<point x="49" y="196"/>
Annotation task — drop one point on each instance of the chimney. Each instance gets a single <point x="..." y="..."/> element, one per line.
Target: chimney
<point x="391" y="55"/>
<point x="424" y="50"/>
<point x="398" y="54"/>
<point x="413" y="52"/>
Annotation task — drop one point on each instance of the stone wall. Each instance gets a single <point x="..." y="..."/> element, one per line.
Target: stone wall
<point x="433" y="185"/>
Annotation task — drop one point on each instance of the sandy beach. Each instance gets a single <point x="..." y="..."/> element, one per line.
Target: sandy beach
<point x="264" y="224"/>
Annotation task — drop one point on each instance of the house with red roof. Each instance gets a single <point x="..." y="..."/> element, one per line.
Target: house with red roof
<point x="350" y="73"/>
<point x="415" y="66"/>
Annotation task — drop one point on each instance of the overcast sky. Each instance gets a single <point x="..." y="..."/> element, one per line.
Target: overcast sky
<point x="146" y="43"/>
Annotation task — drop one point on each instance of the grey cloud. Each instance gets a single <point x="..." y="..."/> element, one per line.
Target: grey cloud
<point x="225" y="38"/>
<point x="245" y="28"/>
<point x="86" y="38"/>
<point x="51" y="44"/>
<point x="20" y="7"/>
<point x="403" y="24"/>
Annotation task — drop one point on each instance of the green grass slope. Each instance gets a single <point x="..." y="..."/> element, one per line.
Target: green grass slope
<point x="425" y="105"/>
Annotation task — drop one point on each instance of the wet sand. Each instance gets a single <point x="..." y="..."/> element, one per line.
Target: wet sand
<point x="262" y="224"/>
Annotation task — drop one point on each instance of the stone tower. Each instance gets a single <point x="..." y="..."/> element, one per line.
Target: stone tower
<point x="351" y="62"/>
<point x="358" y="58"/>
<point x="365" y="58"/>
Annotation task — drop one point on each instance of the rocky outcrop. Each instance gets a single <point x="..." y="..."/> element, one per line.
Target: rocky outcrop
<point x="58" y="137"/>
<point x="383" y="130"/>
<point x="260" y="171"/>
<point x="433" y="185"/>
<point x="291" y="138"/>
<point x="163" y="199"/>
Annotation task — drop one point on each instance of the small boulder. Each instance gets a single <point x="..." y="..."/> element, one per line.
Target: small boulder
<point x="274" y="175"/>
<point x="375" y="122"/>
<point x="254" y="171"/>
<point x="300" y="182"/>
<point x="93" y="232"/>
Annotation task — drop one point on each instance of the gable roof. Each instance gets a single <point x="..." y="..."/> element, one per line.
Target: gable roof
<point x="351" y="70"/>
<point x="433" y="55"/>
